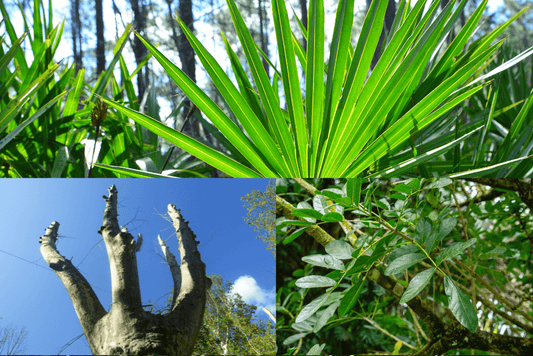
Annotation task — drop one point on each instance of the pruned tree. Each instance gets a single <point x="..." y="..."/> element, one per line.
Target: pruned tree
<point x="127" y="328"/>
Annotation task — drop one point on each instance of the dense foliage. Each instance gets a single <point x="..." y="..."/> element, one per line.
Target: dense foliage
<point x="261" y="214"/>
<point x="443" y="98"/>
<point x="420" y="266"/>
<point x="46" y="110"/>
<point x="230" y="326"/>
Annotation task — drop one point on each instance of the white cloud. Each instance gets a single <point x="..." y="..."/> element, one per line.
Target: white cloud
<point x="247" y="287"/>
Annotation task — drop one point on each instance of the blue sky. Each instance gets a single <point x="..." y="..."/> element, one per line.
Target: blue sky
<point x="34" y="297"/>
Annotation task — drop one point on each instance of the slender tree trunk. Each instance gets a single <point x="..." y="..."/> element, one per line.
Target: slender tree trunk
<point x="188" y="63"/>
<point x="76" y="33"/>
<point x="139" y="50"/>
<point x="264" y="39"/>
<point x="173" y="24"/>
<point x="127" y="329"/>
<point x="303" y="8"/>
<point x="390" y="13"/>
<point x="100" y="39"/>
<point x="175" y="39"/>
<point x="115" y="13"/>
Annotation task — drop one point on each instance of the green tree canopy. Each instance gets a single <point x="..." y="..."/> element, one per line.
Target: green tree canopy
<point x="230" y="326"/>
<point x="260" y="215"/>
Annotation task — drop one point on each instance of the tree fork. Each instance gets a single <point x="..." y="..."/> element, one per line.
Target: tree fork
<point x="127" y="328"/>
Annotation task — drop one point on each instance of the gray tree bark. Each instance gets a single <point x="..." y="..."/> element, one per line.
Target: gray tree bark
<point x="127" y="328"/>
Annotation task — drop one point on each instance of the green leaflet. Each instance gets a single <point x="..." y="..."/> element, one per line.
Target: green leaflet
<point x="327" y="261"/>
<point x="320" y="204"/>
<point x="417" y="284"/>
<point x="495" y="252"/>
<point x="294" y="338"/>
<point x="325" y="316"/>
<point x="351" y="297"/>
<point x="339" y="249"/>
<point x="403" y="262"/>
<point x="353" y="190"/>
<point x="332" y="217"/>
<point x="439" y="183"/>
<point x="312" y="213"/>
<point x="461" y="305"/>
<point x="315" y="281"/>
<point x="311" y="308"/>
<point x="294" y="235"/>
<point x="423" y="230"/>
<point x="452" y="251"/>
<point x="443" y="229"/>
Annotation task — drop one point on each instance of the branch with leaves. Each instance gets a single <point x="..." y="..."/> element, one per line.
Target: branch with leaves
<point x="404" y="229"/>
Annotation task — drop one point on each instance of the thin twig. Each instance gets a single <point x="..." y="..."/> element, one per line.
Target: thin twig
<point x="388" y="334"/>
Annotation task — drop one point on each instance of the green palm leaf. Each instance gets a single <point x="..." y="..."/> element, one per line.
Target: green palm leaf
<point x="350" y="120"/>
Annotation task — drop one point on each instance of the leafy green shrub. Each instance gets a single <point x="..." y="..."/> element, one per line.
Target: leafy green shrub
<point x="45" y="110"/>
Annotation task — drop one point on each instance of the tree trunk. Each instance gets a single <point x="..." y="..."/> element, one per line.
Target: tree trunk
<point x="76" y="33"/>
<point x="175" y="38"/>
<point x="173" y="24"/>
<point x="139" y="50"/>
<point x="100" y="39"/>
<point x="127" y="328"/>
<point x="188" y="63"/>
<point x="390" y="13"/>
